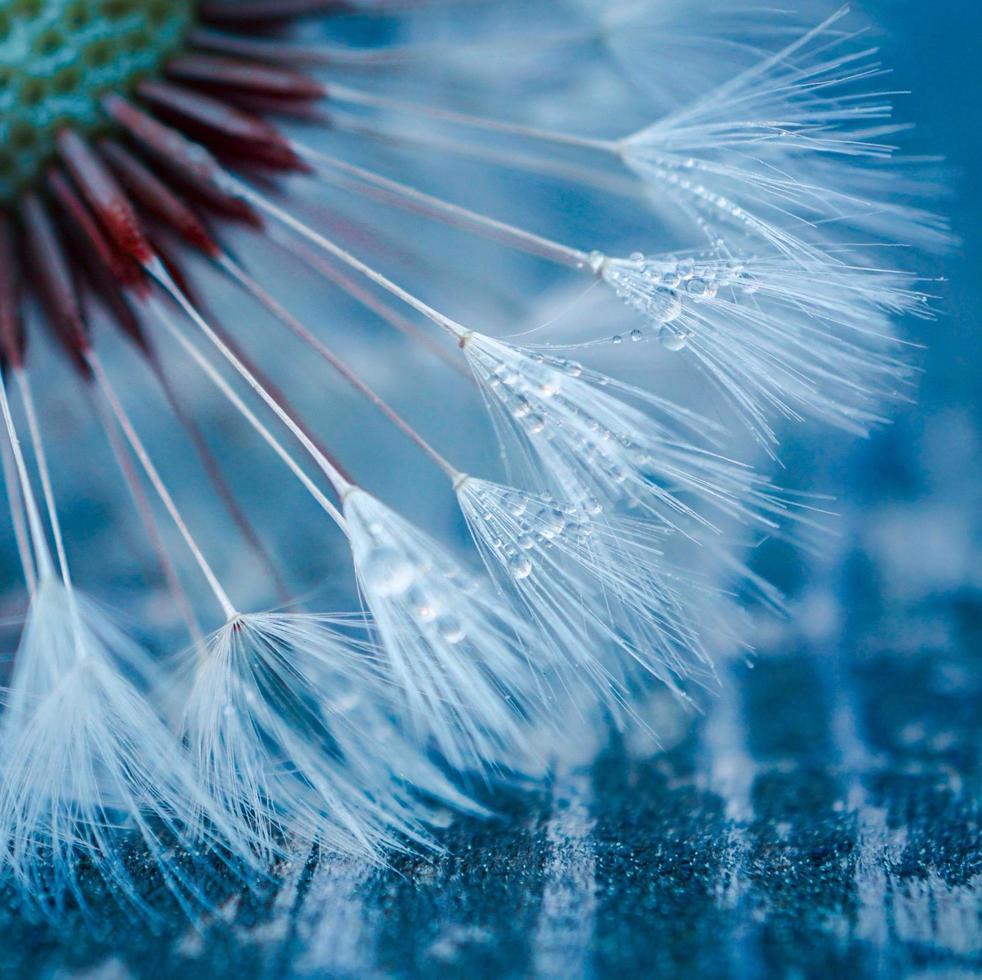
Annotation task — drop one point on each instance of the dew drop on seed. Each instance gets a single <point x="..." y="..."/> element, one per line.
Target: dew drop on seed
<point x="552" y="522"/>
<point x="388" y="573"/>
<point x="666" y="307"/>
<point x="672" y="340"/>
<point x="697" y="288"/>
<point x="424" y="611"/>
<point x="520" y="567"/>
<point x="516" y="504"/>
<point x="450" y="629"/>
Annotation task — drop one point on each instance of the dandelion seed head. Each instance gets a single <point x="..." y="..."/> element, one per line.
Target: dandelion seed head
<point x="59" y="56"/>
<point x="195" y="198"/>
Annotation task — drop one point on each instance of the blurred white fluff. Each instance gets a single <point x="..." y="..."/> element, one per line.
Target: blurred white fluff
<point x="268" y="747"/>
<point x="776" y="337"/>
<point x="597" y="586"/>
<point x="578" y="441"/>
<point x="675" y="50"/>
<point x="454" y="652"/>
<point x="89" y="768"/>
<point x="789" y="144"/>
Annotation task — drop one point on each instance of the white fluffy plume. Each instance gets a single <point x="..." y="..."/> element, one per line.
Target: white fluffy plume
<point x="800" y="139"/>
<point x="583" y="443"/>
<point x="455" y="653"/>
<point x="596" y="586"/>
<point x="777" y="337"/>
<point x="91" y="773"/>
<point x="285" y="721"/>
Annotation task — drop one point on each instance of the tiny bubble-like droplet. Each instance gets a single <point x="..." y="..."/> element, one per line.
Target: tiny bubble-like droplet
<point x="520" y="567"/>
<point x="671" y="339"/>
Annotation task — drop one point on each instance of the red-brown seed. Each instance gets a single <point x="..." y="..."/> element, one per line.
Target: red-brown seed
<point x="244" y="76"/>
<point x="12" y="336"/>
<point x="150" y="192"/>
<point x="53" y="279"/>
<point x="227" y="129"/>
<point x="122" y="268"/>
<point x="104" y="195"/>
<point x="184" y="160"/>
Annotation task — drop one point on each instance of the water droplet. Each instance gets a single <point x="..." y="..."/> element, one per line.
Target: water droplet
<point x="636" y="335"/>
<point x="534" y="424"/>
<point x="551" y="522"/>
<point x="520" y="567"/>
<point x="671" y="339"/>
<point x="516" y="504"/>
<point x="450" y="629"/>
<point x="697" y="288"/>
<point x="686" y="268"/>
<point x="388" y="573"/>
<point x="666" y="307"/>
<point x="424" y="609"/>
<point x="617" y="339"/>
<point x="592" y="506"/>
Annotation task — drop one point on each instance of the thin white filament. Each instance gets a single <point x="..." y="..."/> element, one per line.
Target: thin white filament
<point x="160" y="487"/>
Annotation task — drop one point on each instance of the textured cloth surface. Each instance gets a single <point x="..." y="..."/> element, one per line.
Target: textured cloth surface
<point x="821" y="819"/>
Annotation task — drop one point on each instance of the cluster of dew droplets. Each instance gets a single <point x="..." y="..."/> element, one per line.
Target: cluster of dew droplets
<point x="392" y="576"/>
<point x="533" y="524"/>
<point x="535" y="398"/>
<point x="661" y="287"/>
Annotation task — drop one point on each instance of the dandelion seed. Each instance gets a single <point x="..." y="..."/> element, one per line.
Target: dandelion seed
<point x="777" y="335"/>
<point x="581" y="442"/>
<point x="777" y="338"/>
<point x="275" y="720"/>
<point x="88" y="765"/>
<point x="453" y="649"/>
<point x="595" y="586"/>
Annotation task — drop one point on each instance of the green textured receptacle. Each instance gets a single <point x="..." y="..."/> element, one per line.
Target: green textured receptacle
<point x="57" y="57"/>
